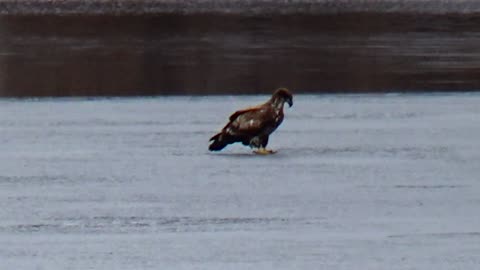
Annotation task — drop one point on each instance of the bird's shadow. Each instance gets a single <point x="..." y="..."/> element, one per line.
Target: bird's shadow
<point x="278" y="153"/>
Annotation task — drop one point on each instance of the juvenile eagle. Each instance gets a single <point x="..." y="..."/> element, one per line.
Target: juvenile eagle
<point x="252" y="126"/>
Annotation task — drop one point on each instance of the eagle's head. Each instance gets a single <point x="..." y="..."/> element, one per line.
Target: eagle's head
<point x="283" y="95"/>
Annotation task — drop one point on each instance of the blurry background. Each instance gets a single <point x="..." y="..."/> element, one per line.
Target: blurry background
<point x="93" y="47"/>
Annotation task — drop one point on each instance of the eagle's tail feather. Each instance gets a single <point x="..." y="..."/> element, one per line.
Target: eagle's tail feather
<point x="220" y="141"/>
<point x="215" y="137"/>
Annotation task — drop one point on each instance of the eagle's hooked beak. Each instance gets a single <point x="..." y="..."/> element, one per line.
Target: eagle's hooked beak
<point x="290" y="102"/>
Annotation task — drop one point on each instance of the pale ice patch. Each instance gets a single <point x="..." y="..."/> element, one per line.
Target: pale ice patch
<point x="359" y="182"/>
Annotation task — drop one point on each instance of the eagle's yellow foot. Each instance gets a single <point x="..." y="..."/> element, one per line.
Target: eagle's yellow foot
<point x="264" y="151"/>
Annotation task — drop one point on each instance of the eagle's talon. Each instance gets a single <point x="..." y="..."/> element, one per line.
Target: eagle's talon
<point x="264" y="151"/>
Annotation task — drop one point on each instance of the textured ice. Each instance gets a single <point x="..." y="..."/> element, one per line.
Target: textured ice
<point x="359" y="182"/>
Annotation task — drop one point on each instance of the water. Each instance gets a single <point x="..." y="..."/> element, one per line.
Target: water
<point x="359" y="182"/>
<point x="227" y="54"/>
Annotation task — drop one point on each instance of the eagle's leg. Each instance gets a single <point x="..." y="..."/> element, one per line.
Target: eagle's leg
<point x="260" y="143"/>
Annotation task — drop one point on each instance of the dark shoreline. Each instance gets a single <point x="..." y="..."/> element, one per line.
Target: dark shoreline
<point x="235" y="7"/>
<point x="231" y="54"/>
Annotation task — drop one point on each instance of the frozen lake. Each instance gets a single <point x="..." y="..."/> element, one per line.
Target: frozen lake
<point x="359" y="182"/>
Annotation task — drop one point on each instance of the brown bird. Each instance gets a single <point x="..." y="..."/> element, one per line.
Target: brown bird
<point x="252" y="126"/>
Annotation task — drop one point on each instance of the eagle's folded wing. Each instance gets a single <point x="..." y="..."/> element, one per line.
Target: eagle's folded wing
<point x="249" y="121"/>
<point x="246" y="110"/>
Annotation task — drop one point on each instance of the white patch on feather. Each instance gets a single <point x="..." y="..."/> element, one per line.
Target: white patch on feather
<point x="279" y="106"/>
<point x="250" y="122"/>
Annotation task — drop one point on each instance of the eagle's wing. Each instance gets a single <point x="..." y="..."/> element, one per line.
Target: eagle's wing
<point x="246" y="110"/>
<point x="250" y="121"/>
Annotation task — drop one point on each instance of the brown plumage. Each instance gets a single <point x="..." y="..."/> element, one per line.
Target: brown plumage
<point x="252" y="126"/>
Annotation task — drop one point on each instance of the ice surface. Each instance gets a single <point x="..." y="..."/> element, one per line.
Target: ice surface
<point x="359" y="182"/>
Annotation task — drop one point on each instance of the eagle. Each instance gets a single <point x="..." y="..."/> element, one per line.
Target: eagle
<point x="253" y="125"/>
